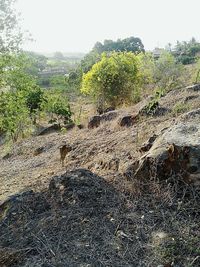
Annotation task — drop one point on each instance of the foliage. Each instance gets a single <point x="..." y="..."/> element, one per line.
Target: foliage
<point x="167" y="72"/>
<point x="131" y="44"/>
<point x="58" y="81"/>
<point x="89" y="60"/>
<point x="57" y="106"/>
<point x="14" y="74"/>
<point x="37" y="63"/>
<point x="153" y="104"/>
<point x="197" y="72"/>
<point x="186" y="51"/>
<point x="147" y="67"/>
<point x="23" y="96"/>
<point x="34" y="99"/>
<point x="114" y="80"/>
<point x="14" y="115"/>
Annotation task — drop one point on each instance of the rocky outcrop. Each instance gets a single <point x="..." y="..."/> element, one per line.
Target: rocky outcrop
<point x="95" y="121"/>
<point x="128" y="120"/>
<point x="175" y="152"/>
<point x="109" y="116"/>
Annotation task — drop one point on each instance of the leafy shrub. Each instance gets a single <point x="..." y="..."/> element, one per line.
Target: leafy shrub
<point x="14" y="115"/>
<point x="34" y="100"/>
<point x="167" y="73"/>
<point x="58" y="108"/>
<point x="114" y="80"/>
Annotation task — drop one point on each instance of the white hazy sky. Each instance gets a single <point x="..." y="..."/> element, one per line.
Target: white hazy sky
<point x="76" y="25"/>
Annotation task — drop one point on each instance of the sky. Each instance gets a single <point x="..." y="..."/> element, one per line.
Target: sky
<point x="76" y="25"/>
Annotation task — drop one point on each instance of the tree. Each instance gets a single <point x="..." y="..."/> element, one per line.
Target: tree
<point x="10" y="33"/>
<point x="167" y="72"/>
<point x="37" y="63"/>
<point x="131" y="44"/>
<point x="186" y="52"/>
<point x="14" y="115"/>
<point x="197" y="72"/>
<point x="57" y="106"/>
<point x="113" y="80"/>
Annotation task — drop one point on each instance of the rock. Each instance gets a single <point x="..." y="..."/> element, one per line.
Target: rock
<point x="51" y="129"/>
<point x="94" y="122"/>
<point x="109" y="116"/>
<point x="128" y="120"/>
<point x="190" y="97"/>
<point x="101" y="111"/>
<point x="80" y="126"/>
<point x="38" y="151"/>
<point x="69" y="126"/>
<point x="194" y="87"/>
<point x="161" y="111"/>
<point x="7" y="156"/>
<point x="147" y="145"/>
<point x="175" y="152"/>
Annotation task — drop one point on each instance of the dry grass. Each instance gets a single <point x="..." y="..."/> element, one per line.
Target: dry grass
<point x="117" y="222"/>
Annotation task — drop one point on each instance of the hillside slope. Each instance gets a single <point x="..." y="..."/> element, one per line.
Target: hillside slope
<point x="78" y="218"/>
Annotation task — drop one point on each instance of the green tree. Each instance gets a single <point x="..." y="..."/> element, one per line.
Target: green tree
<point x="14" y="115"/>
<point x="57" y="107"/>
<point x="167" y="72"/>
<point x="130" y="44"/>
<point x="186" y="52"/>
<point x="114" y="80"/>
<point x="197" y="71"/>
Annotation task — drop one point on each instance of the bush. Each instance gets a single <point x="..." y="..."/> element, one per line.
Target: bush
<point x="58" y="108"/>
<point x="114" y="80"/>
<point x="14" y="115"/>
<point x="167" y="72"/>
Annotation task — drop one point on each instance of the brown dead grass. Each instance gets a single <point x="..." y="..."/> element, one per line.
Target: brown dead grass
<point x="58" y="235"/>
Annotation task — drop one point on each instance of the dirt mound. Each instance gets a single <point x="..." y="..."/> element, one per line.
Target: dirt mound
<point x="82" y="220"/>
<point x="71" y="224"/>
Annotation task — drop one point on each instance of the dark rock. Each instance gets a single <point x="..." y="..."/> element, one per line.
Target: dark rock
<point x="69" y="126"/>
<point x="80" y="126"/>
<point x="128" y="120"/>
<point x="190" y="97"/>
<point x="194" y="87"/>
<point x="7" y="156"/>
<point x="109" y="116"/>
<point x="38" y="151"/>
<point x="94" y="122"/>
<point x="51" y="129"/>
<point x="161" y="111"/>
